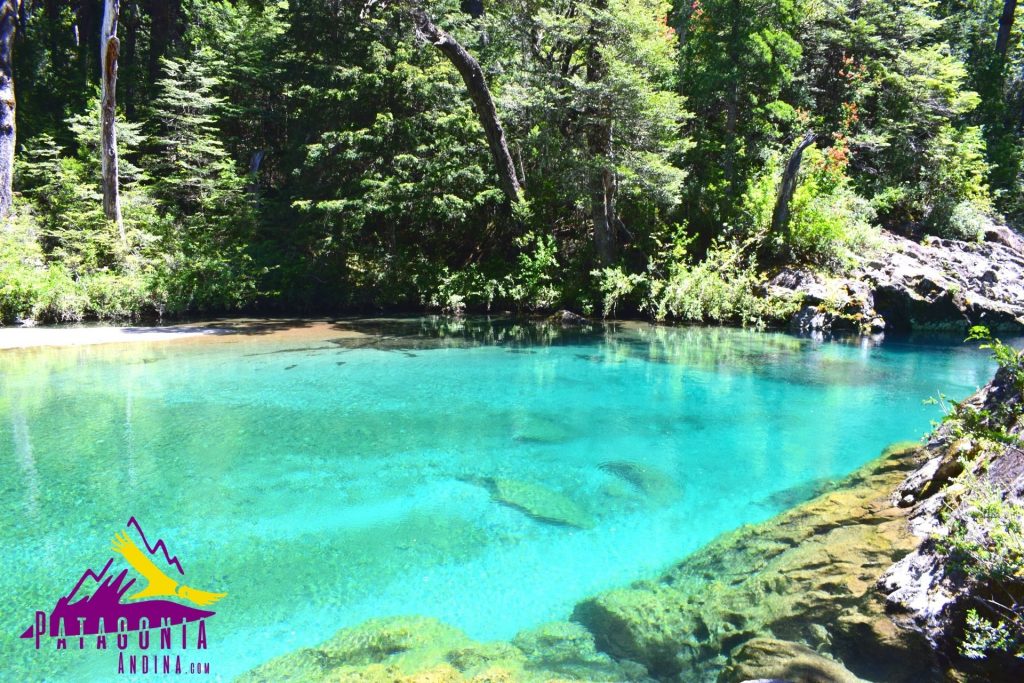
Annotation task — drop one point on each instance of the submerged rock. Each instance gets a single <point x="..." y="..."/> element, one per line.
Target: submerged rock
<point x="379" y="649"/>
<point x="652" y="482"/>
<point x="423" y="650"/>
<point x="541" y="431"/>
<point x="568" y="649"/>
<point x="807" y="575"/>
<point x="762" y="659"/>
<point x="536" y="501"/>
<point x="794" y="495"/>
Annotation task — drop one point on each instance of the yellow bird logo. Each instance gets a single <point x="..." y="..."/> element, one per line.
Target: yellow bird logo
<point x="160" y="585"/>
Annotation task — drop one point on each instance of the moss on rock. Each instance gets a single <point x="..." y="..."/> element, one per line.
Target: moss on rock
<point x="814" y="566"/>
<point x="424" y="650"/>
<point x="795" y="594"/>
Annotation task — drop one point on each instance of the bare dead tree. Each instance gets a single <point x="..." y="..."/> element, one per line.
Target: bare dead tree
<point x="8" y="26"/>
<point x="781" y="214"/>
<point x="109" y="50"/>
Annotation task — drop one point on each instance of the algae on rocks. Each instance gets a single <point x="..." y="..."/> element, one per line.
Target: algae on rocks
<point x="407" y="649"/>
<point x="806" y="576"/>
<point x="540" y="502"/>
<point x="793" y="598"/>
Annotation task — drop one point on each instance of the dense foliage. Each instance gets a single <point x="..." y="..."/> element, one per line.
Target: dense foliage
<point x="317" y="155"/>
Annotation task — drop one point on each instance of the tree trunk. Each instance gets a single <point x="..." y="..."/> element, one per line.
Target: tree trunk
<point x="109" y="48"/>
<point x="599" y="144"/>
<point x="8" y="24"/>
<point x="163" y="21"/>
<point x="732" y="104"/>
<point x="476" y="84"/>
<point x="780" y="216"/>
<point x="602" y="209"/>
<point x="129" y="59"/>
<point x="1005" y="27"/>
<point x="602" y="193"/>
<point x="85" y="35"/>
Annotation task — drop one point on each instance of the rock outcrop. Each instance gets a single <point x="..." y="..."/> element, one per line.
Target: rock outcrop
<point x="937" y="284"/>
<point x="924" y="592"/>
<point x="765" y="659"/>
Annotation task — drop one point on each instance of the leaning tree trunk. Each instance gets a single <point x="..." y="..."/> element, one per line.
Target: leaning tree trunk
<point x="476" y="84"/>
<point x="8" y="24"/>
<point x="109" y="48"/>
<point x="780" y="216"/>
<point x="1005" y="28"/>
<point x="599" y="144"/>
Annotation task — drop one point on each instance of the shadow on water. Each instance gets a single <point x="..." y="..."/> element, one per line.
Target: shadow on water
<point x="794" y="360"/>
<point x="241" y="326"/>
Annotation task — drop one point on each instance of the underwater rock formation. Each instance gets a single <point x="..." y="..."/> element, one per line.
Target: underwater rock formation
<point x="407" y="649"/>
<point x="794" y="594"/>
<point x="761" y="659"/>
<point x="796" y="598"/>
<point x="807" y="576"/>
<point x="536" y="501"/>
<point x="540" y="502"/>
<point x="650" y="481"/>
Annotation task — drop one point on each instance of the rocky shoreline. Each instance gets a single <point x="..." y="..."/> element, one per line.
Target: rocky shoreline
<point x="936" y="284"/>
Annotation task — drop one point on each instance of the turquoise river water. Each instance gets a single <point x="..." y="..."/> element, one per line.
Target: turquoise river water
<point x="322" y="478"/>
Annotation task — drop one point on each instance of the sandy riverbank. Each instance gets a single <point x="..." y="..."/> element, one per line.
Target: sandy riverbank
<point x="228" y="329"/>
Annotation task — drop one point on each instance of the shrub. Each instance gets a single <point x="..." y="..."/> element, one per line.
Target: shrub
<point x="21" y="265"/>
<point x="830" y="224"/>
<point x="720" y="289"/>
<point x="60" y="298"/>
<point x="616" y="285"/>
<point x="531" y="286"/>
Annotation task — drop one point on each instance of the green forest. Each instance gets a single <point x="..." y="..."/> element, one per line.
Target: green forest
<point x="165" y="158"/>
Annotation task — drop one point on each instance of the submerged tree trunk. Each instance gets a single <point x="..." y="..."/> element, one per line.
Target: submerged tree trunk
<point x="780" y="216"/>
<point x="109" y="48"/>
<point x="476" y="84"/>
<point x="599" y="144"/>
<point x="1005" y="28"/>
<point x="8" y="24"/>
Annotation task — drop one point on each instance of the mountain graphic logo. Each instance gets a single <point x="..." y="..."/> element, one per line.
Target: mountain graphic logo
<point x="100" y="603"/>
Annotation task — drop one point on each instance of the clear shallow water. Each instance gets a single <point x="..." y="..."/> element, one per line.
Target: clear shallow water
<point x="322" y="481"/>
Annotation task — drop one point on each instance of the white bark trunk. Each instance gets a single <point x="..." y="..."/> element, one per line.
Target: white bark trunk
<point x="8" y="24"/>
<point x="109" y="49"/>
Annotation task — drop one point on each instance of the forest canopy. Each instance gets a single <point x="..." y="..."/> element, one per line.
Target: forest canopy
<point x="610" y="156"/>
